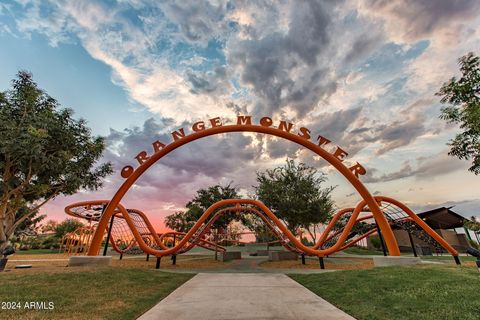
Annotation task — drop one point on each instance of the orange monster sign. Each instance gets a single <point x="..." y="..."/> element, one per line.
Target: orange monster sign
<point x="246" y="121"/>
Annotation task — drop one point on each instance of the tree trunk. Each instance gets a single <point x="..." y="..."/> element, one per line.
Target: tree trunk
<point x="3" y="235"/>
<point x="314" y="238"/>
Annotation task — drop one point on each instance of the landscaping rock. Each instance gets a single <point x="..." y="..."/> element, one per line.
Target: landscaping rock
<point x="76" y="261"/>
<point x="281" y="255"/>
<point x="230" y="255"/>
<point x="380" y="261"/>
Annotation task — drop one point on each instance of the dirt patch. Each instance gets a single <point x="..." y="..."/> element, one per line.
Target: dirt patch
<point x="330" y="263"/>
<point x="55" y="263"/>
<point x="183" y="262"/>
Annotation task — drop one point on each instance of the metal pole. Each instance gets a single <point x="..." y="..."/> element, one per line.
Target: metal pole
<point x="411" y="243"/>
<point x="109" y="232"/>
<point x="322" y="264"/>
<point x="381" y="239"/>
<point x="157" y="266"/>
<point x="174" y="259"/>
<point x="121" y="256"/>
<point x="303" y="258"/>
<point x="457" y="260"/>
<point x="148" y="256"/>
<point x="216" y="246"/>
<point x="467" y="233"/>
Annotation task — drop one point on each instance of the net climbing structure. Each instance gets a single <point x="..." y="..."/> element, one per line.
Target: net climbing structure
<point x="131" y="231"/>
<point x="126" y="225"/>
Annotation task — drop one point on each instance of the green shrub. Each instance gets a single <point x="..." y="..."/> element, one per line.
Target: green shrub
<point x="307" y="242"/>
<point x="376" y="242"/>
<point x="50" y="242"/>
<point x="474" y="244"/>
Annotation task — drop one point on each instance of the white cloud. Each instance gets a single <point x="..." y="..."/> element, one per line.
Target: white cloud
<point x="305" y="61"/>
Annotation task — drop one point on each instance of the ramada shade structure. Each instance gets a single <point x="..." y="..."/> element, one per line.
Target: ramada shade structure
<point x="442" y="218"/>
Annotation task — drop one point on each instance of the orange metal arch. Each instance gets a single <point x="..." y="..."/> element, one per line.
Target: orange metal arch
<point x="330" y="158"/>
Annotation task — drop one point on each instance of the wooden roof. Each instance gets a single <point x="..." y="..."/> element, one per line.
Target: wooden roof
<point x="442" y="218"/>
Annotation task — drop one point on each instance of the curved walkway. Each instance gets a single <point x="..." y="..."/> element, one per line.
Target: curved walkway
<point x="216" y="296"/>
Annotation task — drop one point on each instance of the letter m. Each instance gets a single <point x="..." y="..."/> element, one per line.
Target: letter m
<point x="244" y="120"/>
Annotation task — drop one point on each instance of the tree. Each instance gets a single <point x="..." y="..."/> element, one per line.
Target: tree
<point x="44" y="152"/>
<point x="49" y="226"/>
<point x="472" y="224"/>
<point x="179" y="221"/>
<point x="28" y="226"/>
<point x="295" y="194"/>
<point x="183" y="221"/>
<point x="207" y="197"/>
<point x="66" y="226"/>
<point x="463" y="95"/>
<point x="258" y="227"/>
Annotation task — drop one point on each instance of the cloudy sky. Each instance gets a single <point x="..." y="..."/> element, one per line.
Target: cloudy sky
<point x="361" y="73"/>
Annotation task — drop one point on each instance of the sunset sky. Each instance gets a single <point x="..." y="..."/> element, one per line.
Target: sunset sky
<point x="361" y="73"/>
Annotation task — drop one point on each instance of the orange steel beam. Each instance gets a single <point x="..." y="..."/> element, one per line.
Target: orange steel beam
<point x="330" y="226"/>
<point x="207" y="227"/>
<point x="192" y="238"/>
<point x="150" y="227"/>
<point x="119" y="214"/>
<point x="200" y="242"/>
<point x="330" y="158"/>
<point x="420" y="222"/>
<point x="277" y="222"/>
<point x="240" y="208"/>
<point x="339" y="231"/>
<point x="357" y="239"/>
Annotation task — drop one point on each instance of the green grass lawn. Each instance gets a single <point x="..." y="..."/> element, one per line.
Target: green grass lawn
<point x="420" y="292"/>
<point x="367" y="252"/>
<point x="109" y="293"/>
<point x="362" y="251"/>
<point x="448" y="258"/>
<point x="36" y="251"/>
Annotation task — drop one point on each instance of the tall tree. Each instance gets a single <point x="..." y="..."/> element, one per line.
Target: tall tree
<point x="204" y="198"/>
<point x="44" y="152"/>
<point x="255" y="224"/>
<point x="295" y="193"/>
<point x="463" y="97"/>
<point x="30" y="225"/>
<point x="207" y="197"/>
<point x="179" y="221"/>
<point x="66" y="226"/>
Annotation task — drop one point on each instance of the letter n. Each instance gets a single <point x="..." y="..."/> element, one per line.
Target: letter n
<point x="177" y="135"/>
<point x="284" y="126"/>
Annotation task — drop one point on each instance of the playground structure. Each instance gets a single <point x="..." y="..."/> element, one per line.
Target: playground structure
<point x="338" y="235"/>
<point x="130" y="229"/>
<point x="119" y="232"/>
<point x="77" y="241"/>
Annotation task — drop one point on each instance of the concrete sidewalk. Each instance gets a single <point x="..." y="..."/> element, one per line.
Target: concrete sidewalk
<point x="243" y="296"/>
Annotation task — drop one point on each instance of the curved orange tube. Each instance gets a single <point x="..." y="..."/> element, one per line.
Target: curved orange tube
<point x="193" y="237"/>
<point x="421" y="223"/>
<point x="258" y="204"/>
